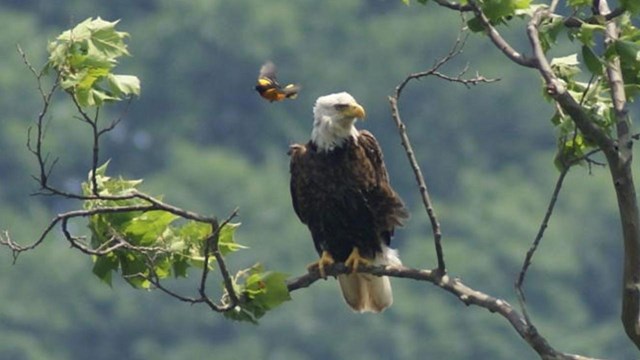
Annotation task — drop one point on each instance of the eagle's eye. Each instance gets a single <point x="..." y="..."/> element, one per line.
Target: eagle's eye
<point x="341" y="107"/>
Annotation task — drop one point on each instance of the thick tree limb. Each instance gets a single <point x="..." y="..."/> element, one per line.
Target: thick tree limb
<point x="620" y="160"/>
<point x="454" y="286"/>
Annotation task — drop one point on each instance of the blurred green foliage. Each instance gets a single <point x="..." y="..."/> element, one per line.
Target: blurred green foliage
<point x="201" y="136"/>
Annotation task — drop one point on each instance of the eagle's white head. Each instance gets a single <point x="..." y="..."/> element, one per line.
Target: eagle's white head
<point x="334" y="116"/>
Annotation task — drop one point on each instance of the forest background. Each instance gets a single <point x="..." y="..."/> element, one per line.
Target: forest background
<point x="200" y="135"/>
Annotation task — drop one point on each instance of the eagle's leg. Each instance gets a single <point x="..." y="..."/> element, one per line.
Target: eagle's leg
<point x="325" y="260"/>
<point x="355" y="259"/>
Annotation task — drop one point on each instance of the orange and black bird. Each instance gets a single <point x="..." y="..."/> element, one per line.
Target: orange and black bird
<point x="270" y="89"/>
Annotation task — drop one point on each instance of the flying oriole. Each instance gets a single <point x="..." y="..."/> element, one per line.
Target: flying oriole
<point x="270" y="89"/>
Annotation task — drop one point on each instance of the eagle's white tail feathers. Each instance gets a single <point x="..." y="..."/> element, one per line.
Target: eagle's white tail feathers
<point x="366" y="292"/>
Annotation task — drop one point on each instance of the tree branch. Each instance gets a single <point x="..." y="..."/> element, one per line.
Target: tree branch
<point x="127" y="201"/>
<point x="575" y="22"/>
<point x="454" y="5"/>
<point x="620" y="160"/>
<point x="212" y="247"/>
<point x="455" y="50"/>
<point x="534" y="246"/>
<point x="543" y="226"/>
<point x="454" y="286"/>
<point x="499" y="41"/>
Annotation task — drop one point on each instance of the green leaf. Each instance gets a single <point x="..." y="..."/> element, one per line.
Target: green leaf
<point x="628" y="51"/>
<point x="84" y="58"/>
<point x="108" y="185"/>
<point x="180" y="266"/>
<point x="592" y="61"/>
<point x="570" y="149"/>
<point x="226" y="241"/>
<point x="131" y="265"/>
<point x="585" y="33"/>
<point x="104" y="265"/>
<point x="193" y="231"/>
<point x="260" y="292"/>
<point x="496" y="10"/>
<point x="549" y="30"/>
<point x="475" y="24"/>
<point x="578" y="3"/>
<point x="566" y="67"/>
<point x="632" y="6"/>
<point x="275" y="289"/>
<point x="147" y="229"/>
<point x="631" y="90"/>
<point x="124" y="85"/>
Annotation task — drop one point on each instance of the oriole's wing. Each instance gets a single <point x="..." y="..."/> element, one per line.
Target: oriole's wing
<point x="268" y="70"/>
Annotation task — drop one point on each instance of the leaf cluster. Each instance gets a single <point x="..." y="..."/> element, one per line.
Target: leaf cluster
<point x="593" y="95"/>
<point x="147" y="246"/>
<point x="84" y="56"/>
<point x="156" y="244"/>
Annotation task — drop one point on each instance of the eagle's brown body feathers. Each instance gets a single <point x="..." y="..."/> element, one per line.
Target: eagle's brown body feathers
<point x="344" y="197"/>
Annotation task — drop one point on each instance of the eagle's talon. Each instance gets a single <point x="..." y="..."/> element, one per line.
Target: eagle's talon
<point x="325" y="260"/>
<point x="355" y="259"/>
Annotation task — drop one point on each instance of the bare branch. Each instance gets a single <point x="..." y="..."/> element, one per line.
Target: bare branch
<point x="455" y="50"/>
<point x="422" y="185"/>
<point x="536" y="243"/>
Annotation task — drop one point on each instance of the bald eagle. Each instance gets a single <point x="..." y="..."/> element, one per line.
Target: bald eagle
<point x="340" y="189"/>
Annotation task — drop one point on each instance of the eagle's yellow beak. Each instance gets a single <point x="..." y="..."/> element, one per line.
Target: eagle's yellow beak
<point x="355" y="110"/>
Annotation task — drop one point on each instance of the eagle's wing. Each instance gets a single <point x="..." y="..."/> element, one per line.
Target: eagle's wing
<point x="374" y="153"/>
<point x="297" y="165"/>
<point x="388" y="208"/>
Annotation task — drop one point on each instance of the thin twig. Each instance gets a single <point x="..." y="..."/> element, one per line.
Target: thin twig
<point x="536" y="243"/>
<point x="422" y="185"/>
<point x="455" y="50"/>
<point x="212" y="247"/>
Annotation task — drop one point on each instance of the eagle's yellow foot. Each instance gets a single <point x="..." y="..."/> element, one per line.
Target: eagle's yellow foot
<point x="325" y="260"/>
<point x="355" y="259"/>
